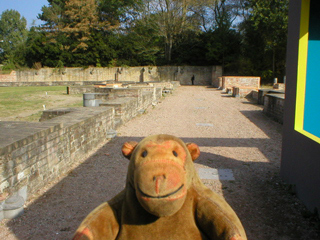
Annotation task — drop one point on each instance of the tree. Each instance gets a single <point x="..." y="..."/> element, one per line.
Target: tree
<point x="140" y="45"/>
<point x="74" y="18"/>
<point x="223" y="34"/>
<point x="117" y="12"/>
<point x="190" y="48"/>
<point x="13" y="34"/>
<point x="77" y="27"/>
<point x="270" y="21"/>
<point x="170" y="18"/>
<point x="52" y="15"/>
<point x="40" y="51"/>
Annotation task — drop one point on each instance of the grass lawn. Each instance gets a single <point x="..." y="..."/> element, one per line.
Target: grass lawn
<point x="27" y="103"/>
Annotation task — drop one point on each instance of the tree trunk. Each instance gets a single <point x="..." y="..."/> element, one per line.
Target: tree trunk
<point x="273" y="63"/>
<point x="168" y="49"/>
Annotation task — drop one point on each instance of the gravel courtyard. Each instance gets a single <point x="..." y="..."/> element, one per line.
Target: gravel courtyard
<point x="232" y="133"/>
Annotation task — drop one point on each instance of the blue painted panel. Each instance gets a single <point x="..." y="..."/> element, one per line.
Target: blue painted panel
<point x="312" y="97"/>
<point x="312" y="94"/>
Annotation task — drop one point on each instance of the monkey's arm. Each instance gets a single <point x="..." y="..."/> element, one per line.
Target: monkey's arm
<point x="217" y="219"/>
<point x="102" y="222"/>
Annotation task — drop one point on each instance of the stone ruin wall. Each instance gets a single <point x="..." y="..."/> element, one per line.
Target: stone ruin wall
<point x="33" y="154"/>
<point x="242" y="82"/>
<point x="12" y="77"/>
<point x="274" y="106"/>
<point x="204" y="75"/>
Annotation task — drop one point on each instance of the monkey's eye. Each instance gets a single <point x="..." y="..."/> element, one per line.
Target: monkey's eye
<point x="144" y="153"/>
<point x="175" y="153"/>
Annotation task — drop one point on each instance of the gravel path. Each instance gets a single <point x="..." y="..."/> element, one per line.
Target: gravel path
<point x="232" y="134"/>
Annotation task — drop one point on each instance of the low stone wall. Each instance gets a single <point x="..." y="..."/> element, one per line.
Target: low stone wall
<point x="255" y="95"/>
<point x="156" y="87"/>
<point x="243" y="91"/>
<point x="279" y="86"/>
<point x="42" y="84"/>
<point x="125" y="109"/>
<point x="72" y="90"/>
<point x="274" y="106"/>
<point x="263" y="92"/>
<point x="204" y="75"/>
<point x="245" y="82"/>
<point x="33" y="154"/>
<point x="239" y="86"/>
<point x="128" y="102"/>
<point x="12" y="77"/>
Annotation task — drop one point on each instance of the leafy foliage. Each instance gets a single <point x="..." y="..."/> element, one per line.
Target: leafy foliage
<point x="13" y="34"/>
<point x="268" y="25"/>
<point x="246" y="37"/>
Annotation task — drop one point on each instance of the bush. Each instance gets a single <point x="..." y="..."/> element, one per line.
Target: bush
<point x="8" y="66"/>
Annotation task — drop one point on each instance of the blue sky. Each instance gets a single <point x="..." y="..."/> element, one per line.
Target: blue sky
<point x="27" y="8"/>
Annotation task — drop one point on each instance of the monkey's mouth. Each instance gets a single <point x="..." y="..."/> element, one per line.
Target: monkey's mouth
<point x="163" y="196"/>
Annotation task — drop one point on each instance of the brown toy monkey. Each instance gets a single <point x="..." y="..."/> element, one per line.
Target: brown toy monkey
<point x="163" y="199"/>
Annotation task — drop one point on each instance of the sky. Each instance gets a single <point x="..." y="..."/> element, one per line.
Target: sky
<point x="27" y="8"/>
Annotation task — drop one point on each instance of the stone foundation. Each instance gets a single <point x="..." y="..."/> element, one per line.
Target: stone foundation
<point x="279" y="86"/>
<point x="243" y="91"/>
<point x="274" y="106"/>
<point x="33" y="154"/>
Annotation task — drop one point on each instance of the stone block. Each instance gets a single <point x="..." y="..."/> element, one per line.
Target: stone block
<point x="13" y="206"/>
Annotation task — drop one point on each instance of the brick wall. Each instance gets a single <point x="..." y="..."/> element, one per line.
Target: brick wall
<point x="274" y="106"/>
<point x="229" y="82"/>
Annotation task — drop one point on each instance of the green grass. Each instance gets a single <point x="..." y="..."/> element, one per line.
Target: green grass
<point x="267" y="86"/>
<point x="5" y="71"/>
<point x="16" y="100"/>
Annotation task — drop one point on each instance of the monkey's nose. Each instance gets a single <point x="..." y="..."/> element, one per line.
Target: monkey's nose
<point x="159" y="181"/>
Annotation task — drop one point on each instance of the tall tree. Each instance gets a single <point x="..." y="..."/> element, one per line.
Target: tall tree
<point x="52" y="15"/>
<point x="270" y="20"/>
<point x="80" y="18"/>
<point x="170" y="18"/>
<point x="117" y="12"/>
<point x="75" y="27"/>
<point x="74" y="18"/>
<point x="13" y="34"/>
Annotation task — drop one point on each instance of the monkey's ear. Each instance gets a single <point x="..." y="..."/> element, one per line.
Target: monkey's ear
<point x="128" y="148"/>
<point x="194" y="150"/>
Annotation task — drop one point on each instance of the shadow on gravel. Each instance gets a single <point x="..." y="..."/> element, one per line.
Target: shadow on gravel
<point x="261" y="200"/>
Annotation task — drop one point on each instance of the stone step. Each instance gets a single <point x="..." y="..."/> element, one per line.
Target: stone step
<point x="13" y="206"/>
